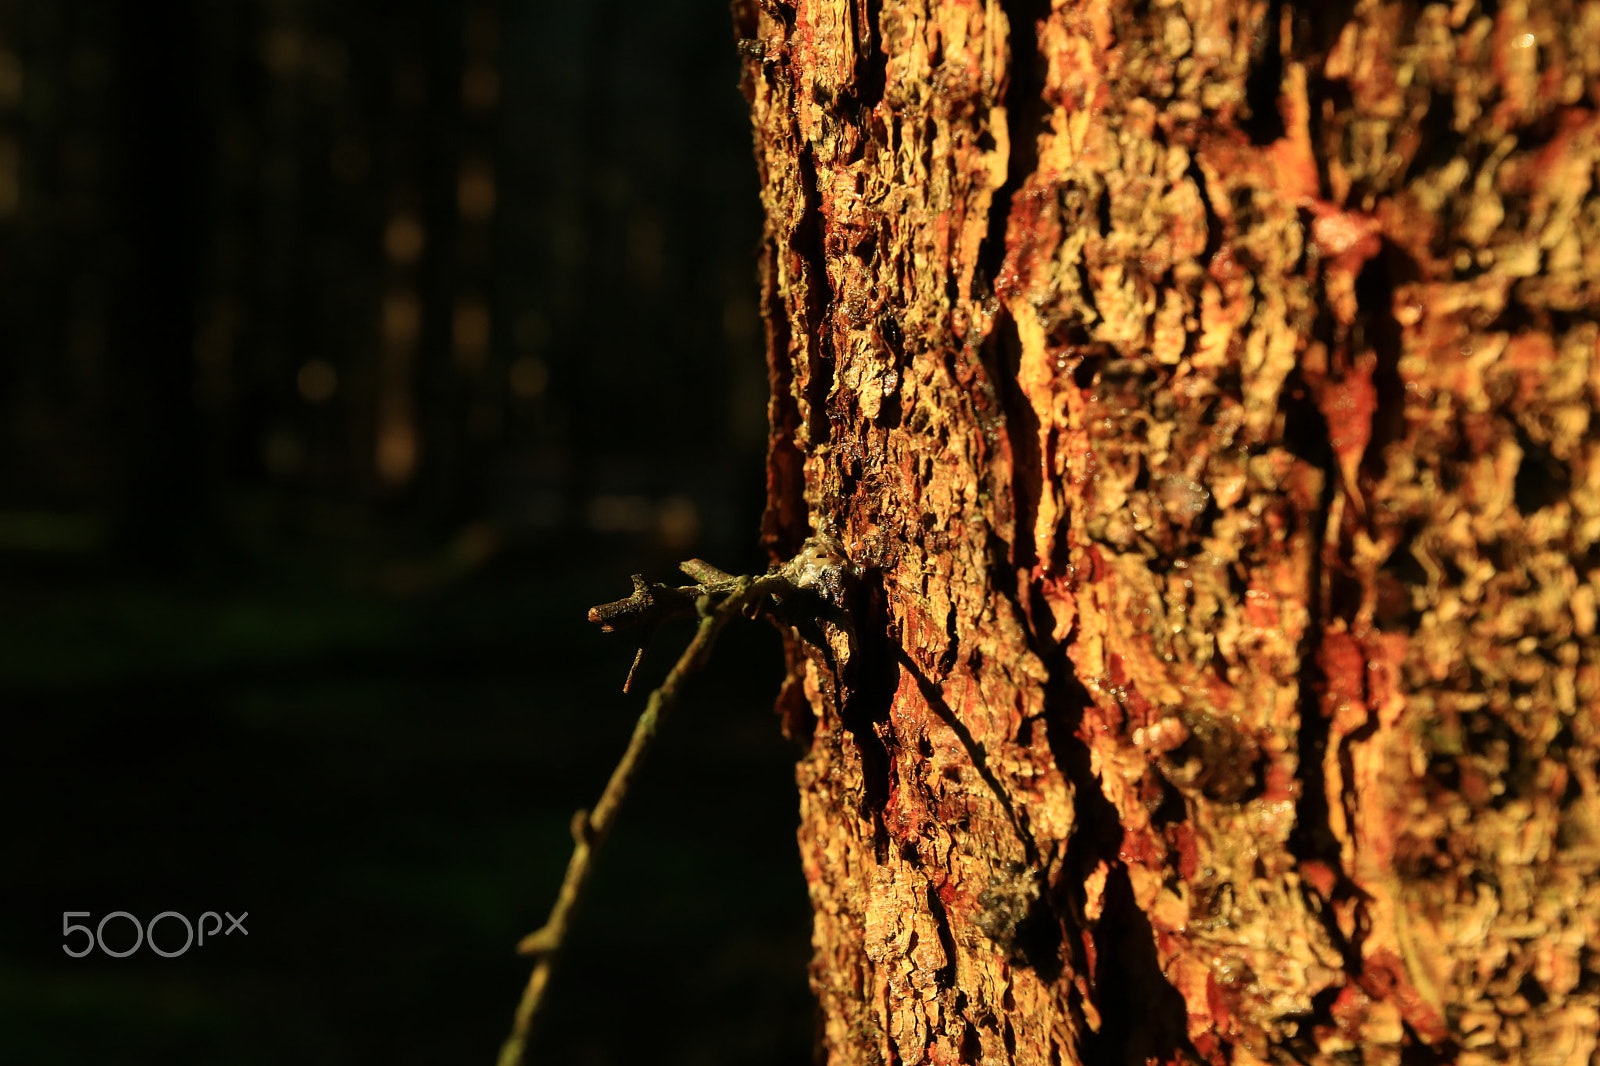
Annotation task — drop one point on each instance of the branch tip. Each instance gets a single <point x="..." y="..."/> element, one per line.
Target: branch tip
<point x="638" y="657"/>
<point x="540" y="942"/>
<point x="582" y="831"/>
<point x="704" y="572"/>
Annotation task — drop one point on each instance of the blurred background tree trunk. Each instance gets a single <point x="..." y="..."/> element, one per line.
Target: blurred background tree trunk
<point x="1205" y="390"/>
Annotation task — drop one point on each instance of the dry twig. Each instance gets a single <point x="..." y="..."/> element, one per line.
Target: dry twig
<point x="717" y="599"/>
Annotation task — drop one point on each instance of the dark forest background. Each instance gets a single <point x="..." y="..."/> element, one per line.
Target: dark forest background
<point x="350" y="350"/>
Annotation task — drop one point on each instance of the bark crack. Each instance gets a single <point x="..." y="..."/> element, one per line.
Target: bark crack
<point x="936" y="702"/>
<point x="1027" y="117"/>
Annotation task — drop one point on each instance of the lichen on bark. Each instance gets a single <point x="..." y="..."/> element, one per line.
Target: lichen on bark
<point x="1205" y="389"/>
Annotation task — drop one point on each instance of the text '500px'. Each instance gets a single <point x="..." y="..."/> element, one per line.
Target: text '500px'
<point x="145" y="934"/>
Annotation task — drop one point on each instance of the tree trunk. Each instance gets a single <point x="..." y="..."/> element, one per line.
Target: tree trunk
<point x="1203" y="389"/>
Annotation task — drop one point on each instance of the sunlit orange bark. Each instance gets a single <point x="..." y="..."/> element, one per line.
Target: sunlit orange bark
<point x="1204" y="388"/>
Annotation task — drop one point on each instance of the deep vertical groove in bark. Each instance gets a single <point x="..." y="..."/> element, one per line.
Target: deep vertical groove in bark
<point x="1264" y="123"/>
<point x="1143" y="1015"/>
<point x="1027" y="117"/>
<point x="783" y="525"/>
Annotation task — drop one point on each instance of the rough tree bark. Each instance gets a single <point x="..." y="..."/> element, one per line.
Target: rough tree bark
<point x="1204" y="388"/>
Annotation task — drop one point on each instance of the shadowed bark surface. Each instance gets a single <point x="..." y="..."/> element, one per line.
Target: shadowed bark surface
<point x="1204" y="389"/>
